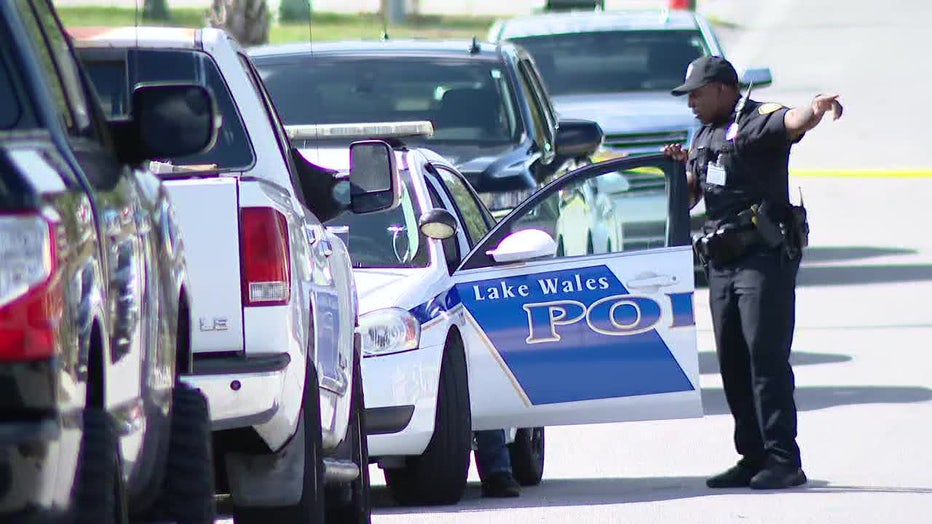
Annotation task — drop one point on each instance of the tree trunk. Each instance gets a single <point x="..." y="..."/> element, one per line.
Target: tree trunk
<point x="246" y="20"/>
<point x="155" y="10"/>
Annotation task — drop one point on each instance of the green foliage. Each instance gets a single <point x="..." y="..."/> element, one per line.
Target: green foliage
<point x="122" y="16"/>
<point x="324" y="25"/>
<point x="294" y="11"/>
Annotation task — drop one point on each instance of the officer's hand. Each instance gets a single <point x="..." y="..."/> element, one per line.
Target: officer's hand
<point x="676" y="152"/>
<point x="823" y="103"/>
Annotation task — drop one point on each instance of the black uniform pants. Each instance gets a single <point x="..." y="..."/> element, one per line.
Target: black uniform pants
<point x="753" y="303"/>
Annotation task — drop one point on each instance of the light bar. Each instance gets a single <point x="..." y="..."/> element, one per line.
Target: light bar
<point x="360" y="131"/>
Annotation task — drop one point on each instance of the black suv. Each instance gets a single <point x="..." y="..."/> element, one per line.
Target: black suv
<point x="94" y="314"/>
<point x="491" y="114"/>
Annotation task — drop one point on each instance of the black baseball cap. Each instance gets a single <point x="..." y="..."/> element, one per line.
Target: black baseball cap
<point x="704" y="70"/>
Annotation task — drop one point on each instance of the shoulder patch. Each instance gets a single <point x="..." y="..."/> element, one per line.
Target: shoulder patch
<point x="770" y="107"/>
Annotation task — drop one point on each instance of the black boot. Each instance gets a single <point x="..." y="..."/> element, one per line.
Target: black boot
<point x="737" y="476"/>
<point x="501" y="485"/>
<point x="778" y="477"/>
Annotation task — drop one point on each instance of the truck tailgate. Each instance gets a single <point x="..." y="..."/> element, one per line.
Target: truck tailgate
<point x="207" y="210"/>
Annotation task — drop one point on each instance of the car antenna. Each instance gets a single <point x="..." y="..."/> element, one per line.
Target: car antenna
<point x="310" y="49"/>
<point x="384" y="24"/>
<point x="474" y="46"/>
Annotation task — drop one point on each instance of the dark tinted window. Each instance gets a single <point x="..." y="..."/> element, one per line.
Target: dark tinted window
<point x="467" y="100"/>
<point x="607" y="62"/>
<point x="46" y="63"/>
<point x="67" y="65"/>
<point x="112" y="78"/>
<point x="10" y="107"/>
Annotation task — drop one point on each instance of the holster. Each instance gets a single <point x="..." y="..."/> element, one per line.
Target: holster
<point x="726" y="243"/>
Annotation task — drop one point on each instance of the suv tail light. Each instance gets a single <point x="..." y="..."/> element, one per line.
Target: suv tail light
<point x="266" y="269"/>
<point x="30" y="292"/>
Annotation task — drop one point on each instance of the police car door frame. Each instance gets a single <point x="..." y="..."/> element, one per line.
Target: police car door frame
<point x="508" y="390"/>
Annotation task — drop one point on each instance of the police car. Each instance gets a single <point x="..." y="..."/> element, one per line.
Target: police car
<point x="468" y="324"/>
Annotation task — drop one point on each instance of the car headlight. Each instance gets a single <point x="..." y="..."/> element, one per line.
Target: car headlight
<point x="387" y="331"/>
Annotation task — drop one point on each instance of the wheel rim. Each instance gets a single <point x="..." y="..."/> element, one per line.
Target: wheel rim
<point x="537" y="444"/>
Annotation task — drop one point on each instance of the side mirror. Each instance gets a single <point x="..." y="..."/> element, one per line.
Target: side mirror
<point x="437" y="223"/>
<point x="173" y="120"/>
<point x="375" y="184"/>
<point x="576" y="138"/>
<point x="523" y="245"/>
<point x="759" y="76"/>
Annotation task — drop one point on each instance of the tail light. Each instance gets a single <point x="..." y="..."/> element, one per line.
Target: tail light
<point x="30" y="293"/>
<point x="266" y="269"/>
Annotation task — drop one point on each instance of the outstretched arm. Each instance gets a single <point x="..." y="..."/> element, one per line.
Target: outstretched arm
<point x="801" y="119"/>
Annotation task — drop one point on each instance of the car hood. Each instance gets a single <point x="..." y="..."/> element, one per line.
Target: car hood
<point x="477" y="157"/>
<point x="498" y="167"/>
<point x="382" y="288"/>
<point x="629" y="112"/>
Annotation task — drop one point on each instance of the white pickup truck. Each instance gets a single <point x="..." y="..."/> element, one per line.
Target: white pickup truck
<point x="275" y="312"/>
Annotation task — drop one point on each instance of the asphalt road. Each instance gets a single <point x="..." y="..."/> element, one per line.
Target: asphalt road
<point x="862" y="347"/>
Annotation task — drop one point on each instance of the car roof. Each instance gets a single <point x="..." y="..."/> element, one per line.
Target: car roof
<point x="394" y="48"/>
<point x="595" y="21"/>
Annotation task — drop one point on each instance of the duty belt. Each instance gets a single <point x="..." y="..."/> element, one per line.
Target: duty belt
<point x="726" y="243"/>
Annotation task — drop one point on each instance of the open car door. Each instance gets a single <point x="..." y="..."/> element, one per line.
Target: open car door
<point x="579" y="303"/>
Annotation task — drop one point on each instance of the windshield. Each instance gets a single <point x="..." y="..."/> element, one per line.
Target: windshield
<point x="112" y="77"/>
<point x="467" y="100"/>
<point x="387" y="239"/>
<point x="615" y="61"/>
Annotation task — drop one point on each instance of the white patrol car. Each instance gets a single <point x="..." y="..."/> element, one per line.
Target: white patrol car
<point x="468" y="324"/>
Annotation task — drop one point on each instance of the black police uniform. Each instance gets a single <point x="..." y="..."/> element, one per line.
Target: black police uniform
<point x="752" y="297"/>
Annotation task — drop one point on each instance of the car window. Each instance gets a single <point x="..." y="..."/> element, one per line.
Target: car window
<point x="617" y="210"/>
<point x="114" y="77"/>
<point x="387" y="239"/>
<point x="539" y="122"/>
<point x="542" y="102"/>
<point x="451" y="246"/>
<point x="46" y="62"/>
<point x="467" y="100"/>
<point x="470" y="208"/>
<point x="11" y="109"/>
<point x="613" y="61"/>
<point x="65" y="64"/>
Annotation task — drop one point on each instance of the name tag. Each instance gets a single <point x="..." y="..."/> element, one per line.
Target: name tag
<point x="715" y="174"/>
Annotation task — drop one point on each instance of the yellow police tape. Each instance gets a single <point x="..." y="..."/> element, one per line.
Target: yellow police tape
<point x="864" y="173"/>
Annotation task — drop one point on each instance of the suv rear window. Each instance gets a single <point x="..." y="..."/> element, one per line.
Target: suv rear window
<point x="114" y="74"/>
<point x="467" y="101"/>
<point x="613" y="61"/>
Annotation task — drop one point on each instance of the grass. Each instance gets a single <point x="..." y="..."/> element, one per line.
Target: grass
<point x="326" y="26"/>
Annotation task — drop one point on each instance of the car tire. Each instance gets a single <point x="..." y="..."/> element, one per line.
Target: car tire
<point x="527" y="456"/>
<point x="352" y="504"/>
<point x="187" y="493"/>
<point x="100" y="496"/>
<point x="310" y="509"/>
<point x="438" y="476"/>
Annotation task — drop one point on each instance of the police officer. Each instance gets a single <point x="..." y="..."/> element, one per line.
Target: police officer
<point x="738" y="163"/>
